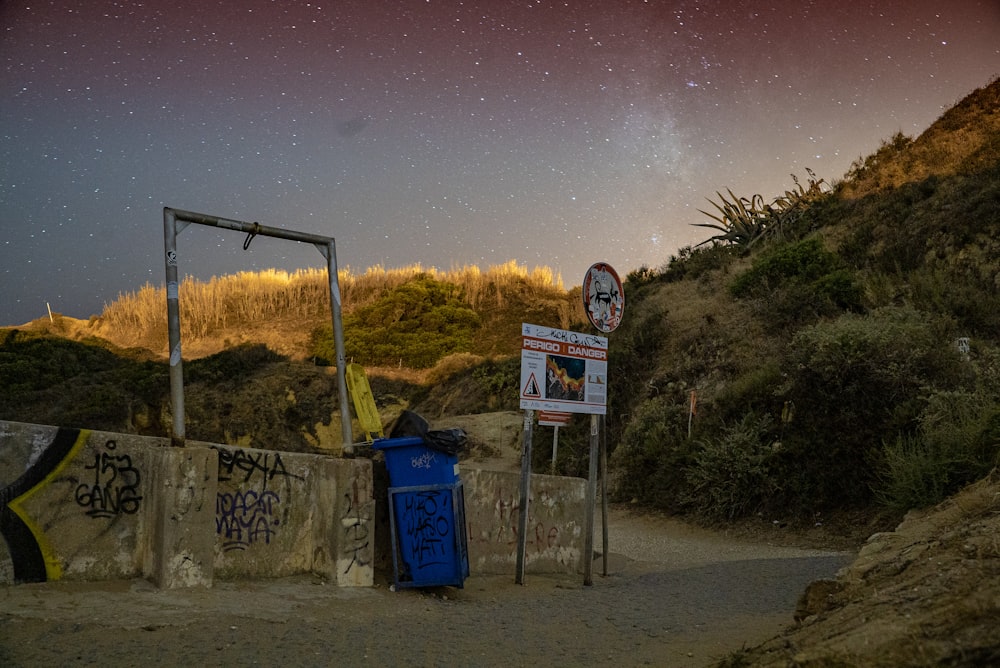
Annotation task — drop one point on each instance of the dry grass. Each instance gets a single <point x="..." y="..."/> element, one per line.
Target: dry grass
<point x="228" y="302"/>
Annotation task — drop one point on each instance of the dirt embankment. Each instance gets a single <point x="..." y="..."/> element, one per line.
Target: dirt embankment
<point x="926" y="594"/>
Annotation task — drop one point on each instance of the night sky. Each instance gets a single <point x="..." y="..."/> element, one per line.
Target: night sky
<point x="436" y="132"/>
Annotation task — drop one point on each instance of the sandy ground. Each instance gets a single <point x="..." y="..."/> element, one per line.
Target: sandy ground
<point x="674" y="595"/>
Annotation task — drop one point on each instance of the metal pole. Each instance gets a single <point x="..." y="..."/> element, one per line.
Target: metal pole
<point x="555" y="447"/>
<point x="338" y="342"/>
<point x="588" y="550"/>
<point x="604" y="495"/>
<point x="174" y="327"/>
<point x="522" y="523"/>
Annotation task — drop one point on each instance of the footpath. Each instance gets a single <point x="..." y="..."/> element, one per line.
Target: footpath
<point x="674" y="595"/>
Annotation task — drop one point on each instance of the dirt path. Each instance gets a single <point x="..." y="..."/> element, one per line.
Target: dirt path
<point x="673" y="596"/>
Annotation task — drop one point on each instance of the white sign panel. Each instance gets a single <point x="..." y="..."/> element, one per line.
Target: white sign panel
<point x="563" y="371"/>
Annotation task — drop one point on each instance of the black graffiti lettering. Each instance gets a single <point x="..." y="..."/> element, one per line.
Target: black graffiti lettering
<point x="247" y="518"/>
<point x="115" y="485"/>
<point x="427" y="523"/>
<point x="268" y="464"/>
<point x="356" y="530"/>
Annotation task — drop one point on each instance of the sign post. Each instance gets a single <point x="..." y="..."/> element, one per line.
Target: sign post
<point x="604" y="301"/>
<point x="561" y="372"/>
<point x="554" y="419"/>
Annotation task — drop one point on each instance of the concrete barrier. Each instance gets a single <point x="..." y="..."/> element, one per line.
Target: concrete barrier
<point x="90" y="505"/>
<point x="556" y="507"/>
<point x="281" y="513"/>
<point x="77" y="504"/>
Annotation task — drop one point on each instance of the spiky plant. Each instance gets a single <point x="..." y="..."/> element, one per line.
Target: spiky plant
<point x="743" y="221"/>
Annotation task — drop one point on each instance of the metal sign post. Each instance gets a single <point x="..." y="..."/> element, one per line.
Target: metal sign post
<point x="522" y="520"/>
<point x="604" y="302"/>
<point x="174" y="222"/>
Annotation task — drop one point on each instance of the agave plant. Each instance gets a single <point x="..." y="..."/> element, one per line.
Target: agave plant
<point x="744" y="221"/>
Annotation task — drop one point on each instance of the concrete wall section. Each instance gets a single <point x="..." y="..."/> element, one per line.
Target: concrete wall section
<point x="73" y="503"/>
<point x="91" y="505"/>
<point x="283" y="513"/>
<point x="180" y="548"/>
<point x="352" y="540"/>
<point x="555" y="539"/>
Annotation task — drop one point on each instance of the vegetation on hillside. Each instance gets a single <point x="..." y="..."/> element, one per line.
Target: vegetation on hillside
<point x="841" y="345"/>
<point x="874" y="316"/>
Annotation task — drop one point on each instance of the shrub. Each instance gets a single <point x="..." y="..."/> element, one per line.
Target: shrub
<point x="414" y="324"/>
<point x="651" y="458"/>
<point x="500" y="380"/>
<point x="230" y="365"/>
<point x="755" y="390"/>
<point x="731" y="474"/>
<point x="854" y="380"/>
<point x="798" y="282"/>
<point x="451" y="365"/>
<point x="957" y="442"/>
<point x="745" y="221"/>
<point x="692" y="263"/>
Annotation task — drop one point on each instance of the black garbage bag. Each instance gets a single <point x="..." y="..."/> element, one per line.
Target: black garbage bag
<point x="448" y="441"/>
<point x="409" y="424"/>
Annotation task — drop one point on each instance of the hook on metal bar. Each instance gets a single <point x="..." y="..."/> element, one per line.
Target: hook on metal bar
<point x="250" y="235"/>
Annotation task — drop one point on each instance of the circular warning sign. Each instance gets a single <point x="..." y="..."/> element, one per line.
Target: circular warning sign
<point x="603" y="297"/>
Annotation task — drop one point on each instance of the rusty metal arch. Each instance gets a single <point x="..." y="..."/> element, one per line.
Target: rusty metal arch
<point x="174" y="222"/>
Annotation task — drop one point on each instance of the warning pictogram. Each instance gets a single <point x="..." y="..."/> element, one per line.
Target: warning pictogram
<point x="531" y="388"/>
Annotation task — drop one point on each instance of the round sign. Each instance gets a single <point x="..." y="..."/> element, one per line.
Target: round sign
<point x="603" y="297"/>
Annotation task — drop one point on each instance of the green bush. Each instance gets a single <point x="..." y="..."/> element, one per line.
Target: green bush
<point x="795" y="283"/>
<point x="958" y="442"/>
<point x="651" y="458"/>
<point x="500" y="379"/>
<point x="757" y="390"/>
<point x="693" y="263"/>
<point x="731" y="475"/>
<point x="414" y="325"/>
<point x="853" y="381"/>
<point x="230" y="365"/>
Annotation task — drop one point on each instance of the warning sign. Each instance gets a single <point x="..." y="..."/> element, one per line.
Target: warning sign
<point x="531" y="390"/>
<point x="563" y="371"/>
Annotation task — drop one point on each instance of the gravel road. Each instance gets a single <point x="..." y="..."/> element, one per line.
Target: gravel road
<point x="674" y="596"/>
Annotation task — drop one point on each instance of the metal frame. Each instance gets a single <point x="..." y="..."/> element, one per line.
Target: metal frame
<point x="174" y="222"/>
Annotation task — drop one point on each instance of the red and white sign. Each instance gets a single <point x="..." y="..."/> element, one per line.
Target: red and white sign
<point x="554" y="418"/>
<point x="563" y="371"/>
<point x="603" y="297"/>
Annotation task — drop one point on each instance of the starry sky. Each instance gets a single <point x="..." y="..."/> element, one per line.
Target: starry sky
<point x="439" y="132"/>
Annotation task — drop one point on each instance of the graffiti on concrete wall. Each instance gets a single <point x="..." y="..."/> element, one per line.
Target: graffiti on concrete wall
<point x="355" y="521"/>
<point x="237" y="464"/>
<point x="246" y="517"/>
<point x="114" y="487"/>
<point x="33" y="557"/>
<point x="541" y="536"/>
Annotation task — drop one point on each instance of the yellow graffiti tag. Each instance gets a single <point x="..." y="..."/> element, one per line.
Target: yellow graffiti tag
<point x="53" y="566"/>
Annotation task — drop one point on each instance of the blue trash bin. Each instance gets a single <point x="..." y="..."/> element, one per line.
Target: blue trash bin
<point x="426" y="514"/>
